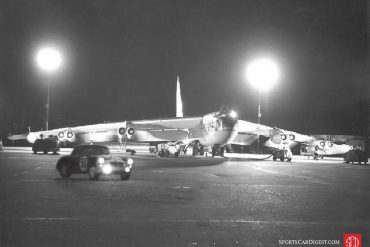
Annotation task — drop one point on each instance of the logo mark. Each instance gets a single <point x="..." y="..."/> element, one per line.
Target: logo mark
<point x="352" y="240"/>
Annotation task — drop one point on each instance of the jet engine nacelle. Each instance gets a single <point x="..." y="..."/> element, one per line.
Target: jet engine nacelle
<point x="329" y="144"/>
<point x="125" y="132"/>
<point x="283" y="137"/>
<point x="62" y="136"/>
<point x="121" y="132"/>
<point x="321" y="144"/>
<point x="130" y="133"/>
<point x="71" y="137"/>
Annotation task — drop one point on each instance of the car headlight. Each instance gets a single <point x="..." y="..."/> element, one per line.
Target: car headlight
<point x="107" y="169"/>
<point x="130" y="161"/>
<point x="101" y="160"/>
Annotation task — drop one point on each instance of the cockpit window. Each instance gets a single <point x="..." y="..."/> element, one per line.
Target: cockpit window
<point x="222" y="120"/>
<point x="228" y="122"/>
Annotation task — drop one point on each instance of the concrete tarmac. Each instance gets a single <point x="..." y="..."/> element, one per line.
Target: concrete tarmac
<point x="184" y="202"/>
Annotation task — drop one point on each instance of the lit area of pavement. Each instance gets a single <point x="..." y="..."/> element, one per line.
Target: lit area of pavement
<point x="143" y="150"/>
<point x="182" y="202"/>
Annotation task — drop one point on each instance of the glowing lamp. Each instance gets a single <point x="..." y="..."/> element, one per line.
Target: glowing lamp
<point x="263" y="73"/>
<point x="49" y="59"/>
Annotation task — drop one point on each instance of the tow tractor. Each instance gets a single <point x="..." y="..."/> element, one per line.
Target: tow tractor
<point x="282" y="154"/>
<point x="167" y="149"/>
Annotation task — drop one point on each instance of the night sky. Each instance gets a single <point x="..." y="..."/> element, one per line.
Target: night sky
<point x="122" y="59"/>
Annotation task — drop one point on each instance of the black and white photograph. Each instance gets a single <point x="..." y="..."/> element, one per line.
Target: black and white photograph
<point x="184" y="123"/>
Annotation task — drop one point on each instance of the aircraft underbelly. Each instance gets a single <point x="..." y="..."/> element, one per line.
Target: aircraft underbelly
<point x="96" y="137"/>
<point x="159" y="135"/>
<point x="218" y="138"/>
<point x="245" y="139"/>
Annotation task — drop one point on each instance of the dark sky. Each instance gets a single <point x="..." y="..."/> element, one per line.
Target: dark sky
<point x="122" y="59"/>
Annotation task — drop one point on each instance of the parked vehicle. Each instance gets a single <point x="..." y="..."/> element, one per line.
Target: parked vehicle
<point x="282" y="154"/>
<point x="167" y="149"/>
<point x="94" y="160"/>
<point x="356" y="155"/>
<point x="46" y="145"/>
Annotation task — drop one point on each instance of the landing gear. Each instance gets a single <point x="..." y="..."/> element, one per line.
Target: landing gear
<point x="195" y="150"/>
<point x="222" y="152"/>
<point x="198" y="149"/>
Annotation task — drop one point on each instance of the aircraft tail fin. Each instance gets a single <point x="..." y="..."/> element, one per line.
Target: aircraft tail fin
<point x="179" y="112"/>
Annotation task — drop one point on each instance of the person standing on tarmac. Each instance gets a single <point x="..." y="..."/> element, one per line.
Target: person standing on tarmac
<point x="316" y="154"/>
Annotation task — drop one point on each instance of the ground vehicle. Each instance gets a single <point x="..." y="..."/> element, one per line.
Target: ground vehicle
<point x="94" y="160"/>
<point x="282" y="154"/>
<point x="356" y="156"/>
<point x="46" y="145"/>
<point x="167" y="149"/>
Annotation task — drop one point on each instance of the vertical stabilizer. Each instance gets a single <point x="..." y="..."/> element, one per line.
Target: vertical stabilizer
<point x="179" y="112"/>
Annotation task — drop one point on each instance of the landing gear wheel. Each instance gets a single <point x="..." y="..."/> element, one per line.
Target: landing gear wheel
<point x="195" y="151"/>
<point x="177" y="154"/>
<point x="45" y="151"/>
<point x="213" y="152"/>
<point x="282" y="158"/>
<point x="93" y="174"/>
<point x="65" y="170"/>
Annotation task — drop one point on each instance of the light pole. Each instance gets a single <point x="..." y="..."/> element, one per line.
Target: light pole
<point x="48" y="59"/>
<point x="262" y="73"/>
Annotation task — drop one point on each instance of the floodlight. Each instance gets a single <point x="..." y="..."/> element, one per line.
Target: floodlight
<point x="263" y="73"/>
<point x="49" y="59"/>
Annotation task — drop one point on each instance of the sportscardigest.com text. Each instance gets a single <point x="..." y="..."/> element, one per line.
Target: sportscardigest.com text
<point x="309" y="242"/>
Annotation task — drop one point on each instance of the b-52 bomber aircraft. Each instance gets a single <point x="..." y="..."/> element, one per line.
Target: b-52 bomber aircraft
<point x="215" y="129"/>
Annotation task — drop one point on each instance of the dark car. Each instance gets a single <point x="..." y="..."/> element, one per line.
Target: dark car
<point x="94" y="160"/>
<point x="46" y="145"/>
<point x="356" y="156"/>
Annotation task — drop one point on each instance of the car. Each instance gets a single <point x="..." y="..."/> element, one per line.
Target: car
<point x="94" y="160"/>
<point x="356" y="155"/>
<point x="46" y="145"/>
